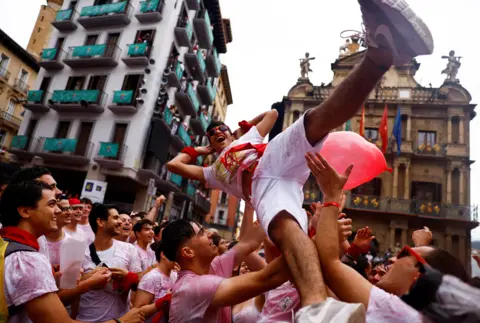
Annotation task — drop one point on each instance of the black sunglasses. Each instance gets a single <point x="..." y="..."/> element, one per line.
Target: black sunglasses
<point x="221" y="128"/>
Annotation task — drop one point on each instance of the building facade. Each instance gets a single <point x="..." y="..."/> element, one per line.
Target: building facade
<point x="430" y="182"/>
<point x="124" y="86"/>
<point x="43" y="29"/>
<point x="18" y="71"/>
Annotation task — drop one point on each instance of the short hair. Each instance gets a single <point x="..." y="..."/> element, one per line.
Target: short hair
<point x="216" y="239"/>
<point x="29" y="174"/>
<point x="140" y="215"/>
<point x="447" y="264"/>
<point x="99" y="211"/>
<point x="140" y="224"/>
<point x="23" y="194"/>
<point x="232" y="244"/>
<point x="157" y="247"/>
<point x="215" y="124"/>
<point x="175" y="235"/>
<point x="87" y="201"/>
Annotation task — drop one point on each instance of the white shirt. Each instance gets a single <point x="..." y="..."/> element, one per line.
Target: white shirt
<point x="88" y="232"/>
<point x="107" y="304"/>
<point x="54" y="248"/>
<point x="78" y="235"/>
<point x="230" y="181"/>
<point x="147" y="257"/>
<point x="42" y="243"/>
<point x="27" y="275"/>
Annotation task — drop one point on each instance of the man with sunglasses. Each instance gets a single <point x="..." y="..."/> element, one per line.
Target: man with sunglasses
<point x="271" y="177"/>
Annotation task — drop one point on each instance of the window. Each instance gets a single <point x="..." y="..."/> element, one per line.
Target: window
<point x="75" y="83"/>
<point x="427" y="138"/>
<point x="91" y="40"/>
<point x="34" y="41"/>
<point x="296" y="115"/>
<point x="3" y="135"/>
<point x="223" y="198"/>
<point x="39" y="29"/>
<point x="62" y="130"/>
<point x="11" y="106"/>
<point x="221" y="216"/>
<point x="41" y="19"/>
<point x="455" y="130"/>
<point x="371" y="134"/>
<point x="3" y="64"/>
<point x="23" y="76"/>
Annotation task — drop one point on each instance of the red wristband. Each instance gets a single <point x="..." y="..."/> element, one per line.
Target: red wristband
<point x="244" y="125"/>
<point x="164" y="301"/>
<point x="331" y="204"/>
<point x="190" y="151"/>
<point x="354" y="251"/>
<point x="130" y="281"/>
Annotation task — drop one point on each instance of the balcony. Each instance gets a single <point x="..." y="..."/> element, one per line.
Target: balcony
<point x="202" y="203"/>
<point x="193" y="5"/>
<point x="93" y="56"/>
<point x="203" y="30"/>
<point x="207" y="92"/>
<point x="175" y="75"/>
<point x="427" y="149"/>
<point x="137" y="54"/>
<point x="65" y="20"/>
<point x="196" y="65"/>
<point x="9" y="120"/>
<point x="83" y="101"/>
<point x="65" y="151"/>
<point x="199" y="125"/>
<point x="410" y="207"/>
<point x="4" y="74"/>
<point x="123" y="102"/>
<point x="214" y="66"/>
<point x="184" y="136"/>
<point x="23" y="147"/>
<point x="21" y="86"/>
<point x="37" y="101"/>
<point x="111" y="155"/>
<point x="51" y="59"/>
<point x="150" y="11"/>
<point x="187" y="101"/>
<point x="107" y="15"/>
<point x="183" y="33"/>
<point x="152" y="168"/>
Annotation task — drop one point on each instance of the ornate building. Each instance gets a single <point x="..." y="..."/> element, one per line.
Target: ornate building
<point x="430" y="182"/>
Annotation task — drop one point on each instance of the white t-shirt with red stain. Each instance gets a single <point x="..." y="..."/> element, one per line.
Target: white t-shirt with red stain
<point x="147" y="257"/>
<point x="217" y="176"/>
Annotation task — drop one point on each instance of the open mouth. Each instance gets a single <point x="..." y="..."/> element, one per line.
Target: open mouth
<point x="126" y="229"/>
<point x="220" y="139"/>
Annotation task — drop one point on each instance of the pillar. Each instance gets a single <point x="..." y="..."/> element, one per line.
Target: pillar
<point x="449" y="184"/>
<point x="406" y="192"/>
<point x="461" y="185"/>
<point x="290" y="119"/>
<point x="141" y="199"/>
<point x="449" y="130"/>
<point x="409" y="128"/>
<point x="392" y="238"/>
<point x="448" y="242"/>
<point x="404" y="238"/>
<point x="168" y="206"/>
<point x="462" y="249"/>
<point x="461" y="131"/>
<point x="395" y="180"/>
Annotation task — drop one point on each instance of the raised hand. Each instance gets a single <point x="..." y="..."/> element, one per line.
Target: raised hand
<point x="330" y="182"/>
<point x="204" y="150"/>
<point x="344" y="228"/>
<point x="135" y="315"/>
<point x="363" y="238"/>
<point x="422" y="237"/>
<point x="159" y="201"/>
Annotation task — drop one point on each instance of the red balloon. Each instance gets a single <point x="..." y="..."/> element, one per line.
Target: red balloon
<point x="344" y="148"/>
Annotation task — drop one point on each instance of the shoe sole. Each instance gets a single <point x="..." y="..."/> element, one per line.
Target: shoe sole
<point x="405" y="26"/>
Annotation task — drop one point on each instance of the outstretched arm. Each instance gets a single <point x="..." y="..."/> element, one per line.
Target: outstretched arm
<point x="181" y="165"/>
<point x="264" y="123"/>
<point x="339" y="276"/>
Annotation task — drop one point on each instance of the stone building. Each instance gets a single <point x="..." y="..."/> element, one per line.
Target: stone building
<point x="430" y="182"/>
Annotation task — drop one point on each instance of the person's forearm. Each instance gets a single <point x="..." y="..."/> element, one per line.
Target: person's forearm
<point x="247" y="221"/>
<point x="327" y="235"/>
<point x="152" y="213"/>
<point x="177" y="161"/>
<point x="258" y="118"/>
<point x="67" y="296"/>
<point x="255" y="262"/>
<point x="275" y="273"/>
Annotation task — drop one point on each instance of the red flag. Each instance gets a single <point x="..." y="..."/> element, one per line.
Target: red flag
<point x="362" y="122"/>
<point x="383" y="130"/>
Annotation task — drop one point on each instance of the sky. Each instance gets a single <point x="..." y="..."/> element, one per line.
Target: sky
<point x="269" y="38"/>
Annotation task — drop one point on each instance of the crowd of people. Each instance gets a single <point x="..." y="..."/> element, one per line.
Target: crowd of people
<point x="292" y="265"/>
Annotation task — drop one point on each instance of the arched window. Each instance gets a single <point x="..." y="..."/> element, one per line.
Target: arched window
<point x="296" y="115"/>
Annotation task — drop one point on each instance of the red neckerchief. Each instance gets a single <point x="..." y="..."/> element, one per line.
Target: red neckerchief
<point x="20" y="236"/>
<point x="229" y="159"/>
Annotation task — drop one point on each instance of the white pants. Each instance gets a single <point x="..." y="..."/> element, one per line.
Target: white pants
<point x="331" y="311"/>
<point x="279" y="178"/>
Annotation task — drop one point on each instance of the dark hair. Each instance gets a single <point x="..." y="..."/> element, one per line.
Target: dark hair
<point x="140" y="215"/>
<point x="140" y="224"/>
<point x="215" y="124"/>
<point x="175" y="235"/>
<point x="157" y="246"/>
<point x="447" y="264"/>
<point x="232" y="244"/>
<point x="85" y="200"/>
<point x="26" y="194"/>
<point x="216" y="239"/>
<point x="29" y="174"/>
<point x="99" y="211"/>
<point x="156" y="230"/>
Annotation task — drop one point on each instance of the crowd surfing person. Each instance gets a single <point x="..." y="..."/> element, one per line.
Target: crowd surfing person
<point x="250" y="170"/>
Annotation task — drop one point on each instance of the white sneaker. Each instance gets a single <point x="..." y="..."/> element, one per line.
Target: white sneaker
<point x="392" y="24"/>
<point x="331" y="311"/>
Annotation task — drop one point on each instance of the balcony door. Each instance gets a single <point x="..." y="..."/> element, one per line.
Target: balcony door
<point x="132" y="82"/>
<point x="83" y="138"/>
<point x="112" y="41"/>
<point x="119" y="134"/>
<point x="59" y="46"/>
<point x="91" y="40"/>
<point x="75" y="83"/>
<point x="30" y="131"/>
<point x="62" y="129"/>
<point x="427" y="192"/>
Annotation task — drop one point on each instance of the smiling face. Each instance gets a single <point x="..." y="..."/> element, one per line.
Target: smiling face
<point x="146" y="234"/>
<point x="77" y="212"/>
<point x="113" y="225"/>
<point x="126" y="226"/>
<point x="202" y="244"/>
<point x="65" y="216"/>
<point x="220" y="137"/>
<point x="44" y="216"/>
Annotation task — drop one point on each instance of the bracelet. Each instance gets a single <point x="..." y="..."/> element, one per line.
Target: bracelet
<point x="190" y="151"/>
<point x="331" y="204"/>
<point x="245" y="126"/>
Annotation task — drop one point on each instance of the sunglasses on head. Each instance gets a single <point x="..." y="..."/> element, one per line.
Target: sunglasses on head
<point x="408" y="251"/>
<point x="221" y="128"/>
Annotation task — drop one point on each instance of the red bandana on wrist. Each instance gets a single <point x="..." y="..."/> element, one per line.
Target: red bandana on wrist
<point x="20" y="236"/>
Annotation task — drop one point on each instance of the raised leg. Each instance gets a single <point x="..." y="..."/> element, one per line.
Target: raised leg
<point x="301" y="256"/>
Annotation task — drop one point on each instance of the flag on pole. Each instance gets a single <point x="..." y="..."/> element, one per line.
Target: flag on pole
<point x="384" y="129"/>
<point x="397" y="130"/>
<point x="362" y="122"/>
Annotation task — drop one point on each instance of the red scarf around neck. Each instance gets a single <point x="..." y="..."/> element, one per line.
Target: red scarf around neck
<point x="20" y="236"/>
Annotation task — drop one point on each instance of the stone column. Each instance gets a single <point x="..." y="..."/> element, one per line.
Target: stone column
<point x="449" y="130"/>
<point x="461" y="131"/>
<point x="404" y="238"/>
<point x="462" y="249"/>
<point x="406" y="192"/>
<point x="448" y="242"/>
<point x="168" y="206"/>
<point x="409" y="128"/>
<point x="449" y="184"/>
<point x="290" y="121"/>
<point x="461" y="185"/>
<point x="395" y="179"/>
<point x="392" y="238"/>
